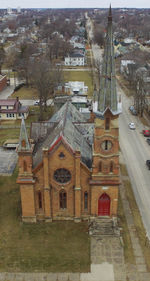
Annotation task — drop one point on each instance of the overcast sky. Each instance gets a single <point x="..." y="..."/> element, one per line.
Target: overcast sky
<point x="74" y="3"/>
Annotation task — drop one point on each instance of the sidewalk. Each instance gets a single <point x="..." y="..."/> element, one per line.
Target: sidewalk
<point x="137" y="272"/>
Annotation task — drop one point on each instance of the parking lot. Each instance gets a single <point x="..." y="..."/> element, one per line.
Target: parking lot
<point x="8" y="161"/>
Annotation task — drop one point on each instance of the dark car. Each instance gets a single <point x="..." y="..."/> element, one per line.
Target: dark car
<point x="132" y="110"/>
<point x="146" y="133"/>
<point x="148" y="140"/>
<point x="19" y="86"/>
<point x="148" y="164"/>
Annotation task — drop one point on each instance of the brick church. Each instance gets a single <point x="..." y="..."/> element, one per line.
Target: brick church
<point x="69" y="168"/>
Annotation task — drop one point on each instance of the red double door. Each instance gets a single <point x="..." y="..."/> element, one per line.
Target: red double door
<point x="104" y="205"/>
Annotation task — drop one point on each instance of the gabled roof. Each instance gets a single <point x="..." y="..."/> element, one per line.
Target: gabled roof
<point x="76" y="55"/>
<point x="66" y="120"/>
<point x="15" y="103"/>
<point x="9" y="102"/>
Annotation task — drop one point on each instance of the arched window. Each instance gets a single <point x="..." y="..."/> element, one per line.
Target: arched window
<point x="100" y="166"/>
<point x="111" y="166"/>
<point x="63" y="199"/>
<point x="107" y="123"/>
<point x="61" y="155"/>
<point x="85" y="200"/>
<point x="24" y="166"/>
<point x="39" y="199"/>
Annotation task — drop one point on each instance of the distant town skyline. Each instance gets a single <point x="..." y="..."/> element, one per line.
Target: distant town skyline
<point x="4" y="4"/>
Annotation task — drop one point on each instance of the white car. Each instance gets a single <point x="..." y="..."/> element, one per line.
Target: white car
<point x="132" y="126"/>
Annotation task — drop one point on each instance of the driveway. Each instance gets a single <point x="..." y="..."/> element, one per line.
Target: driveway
<point x="6" y="92"/>
<point x="8" y="161"/>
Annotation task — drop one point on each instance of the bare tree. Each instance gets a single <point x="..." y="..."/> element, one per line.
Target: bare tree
<point x="98" y="66"/>
<point x="99" y="36"/>
<point x="23" y="59"/>
<point x="2" y="57"/>
<point x="140" y="99"/>
<point x="45" y="77"/>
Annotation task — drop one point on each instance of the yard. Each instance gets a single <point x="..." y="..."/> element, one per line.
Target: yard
<point x="25" y="93"/>
<point x="85" y="76"/>
<point x="41" y="247"/>
<point x="11" y="128"/>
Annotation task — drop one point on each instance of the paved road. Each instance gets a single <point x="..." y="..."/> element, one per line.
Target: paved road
<point x="8" y="161"/>
<point x="136" y="151"/>
<point x="6" y="92"/>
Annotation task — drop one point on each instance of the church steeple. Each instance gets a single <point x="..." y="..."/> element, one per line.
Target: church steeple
<point x="110" y="14"/>
<point x="24" y="144"/>
<point x="108" y="95"/>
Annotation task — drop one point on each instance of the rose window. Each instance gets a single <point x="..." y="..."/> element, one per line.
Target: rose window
<point x="62" y="175"/>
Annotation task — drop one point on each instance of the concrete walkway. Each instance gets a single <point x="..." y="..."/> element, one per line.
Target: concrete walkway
<point x="137" y="272"/>
<point x="6" y="92"/>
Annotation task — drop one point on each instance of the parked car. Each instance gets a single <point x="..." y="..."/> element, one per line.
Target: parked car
<point x="146" y="133"/>
<point x="11" y="144"/>
<point x="132" y="110"/>
<point x="148" y="164"/>
<point x="132" y="126"/>
<point x="37" y="102"/>
<point x="148" y="140"/>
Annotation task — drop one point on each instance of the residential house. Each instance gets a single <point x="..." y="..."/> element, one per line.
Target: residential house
<point x="75" y="59"/>
<point x="12" y="109"/>
<point x="73" y="91"/>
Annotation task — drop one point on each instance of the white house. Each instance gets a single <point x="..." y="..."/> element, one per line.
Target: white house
<point x="12" y="109"/>
<point x="75" y="60"/>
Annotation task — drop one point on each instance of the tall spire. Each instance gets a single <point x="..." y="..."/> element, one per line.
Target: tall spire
<point x="110" y="14"/>
<point x="23" y="140"/>
<point x="108" y="95"/>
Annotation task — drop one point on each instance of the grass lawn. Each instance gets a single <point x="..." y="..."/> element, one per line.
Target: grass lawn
<point x="6" y="134"/>
<point x="138" y="223"/>
<point x="41" y="247"/>
<point x="13" y="133"/>
<point x="84" y="76"/>
<point x="25" y="93"/>
<point x="137" y="219"/>
<point x="128" y="250"/>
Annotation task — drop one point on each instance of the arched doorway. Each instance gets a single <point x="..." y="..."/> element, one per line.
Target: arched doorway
<point x="104" y="205"/>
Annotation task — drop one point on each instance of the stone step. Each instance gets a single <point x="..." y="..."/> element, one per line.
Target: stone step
<point x="103" y="227"/>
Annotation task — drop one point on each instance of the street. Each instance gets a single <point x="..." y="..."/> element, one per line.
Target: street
<point x="136" y="151"/>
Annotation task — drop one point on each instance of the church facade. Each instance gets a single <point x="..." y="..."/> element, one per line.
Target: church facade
<point x="69" y="169"/>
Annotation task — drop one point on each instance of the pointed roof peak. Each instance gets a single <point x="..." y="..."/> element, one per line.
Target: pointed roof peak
<point x="23" y="140"/>
<point x="110" y="14"/>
